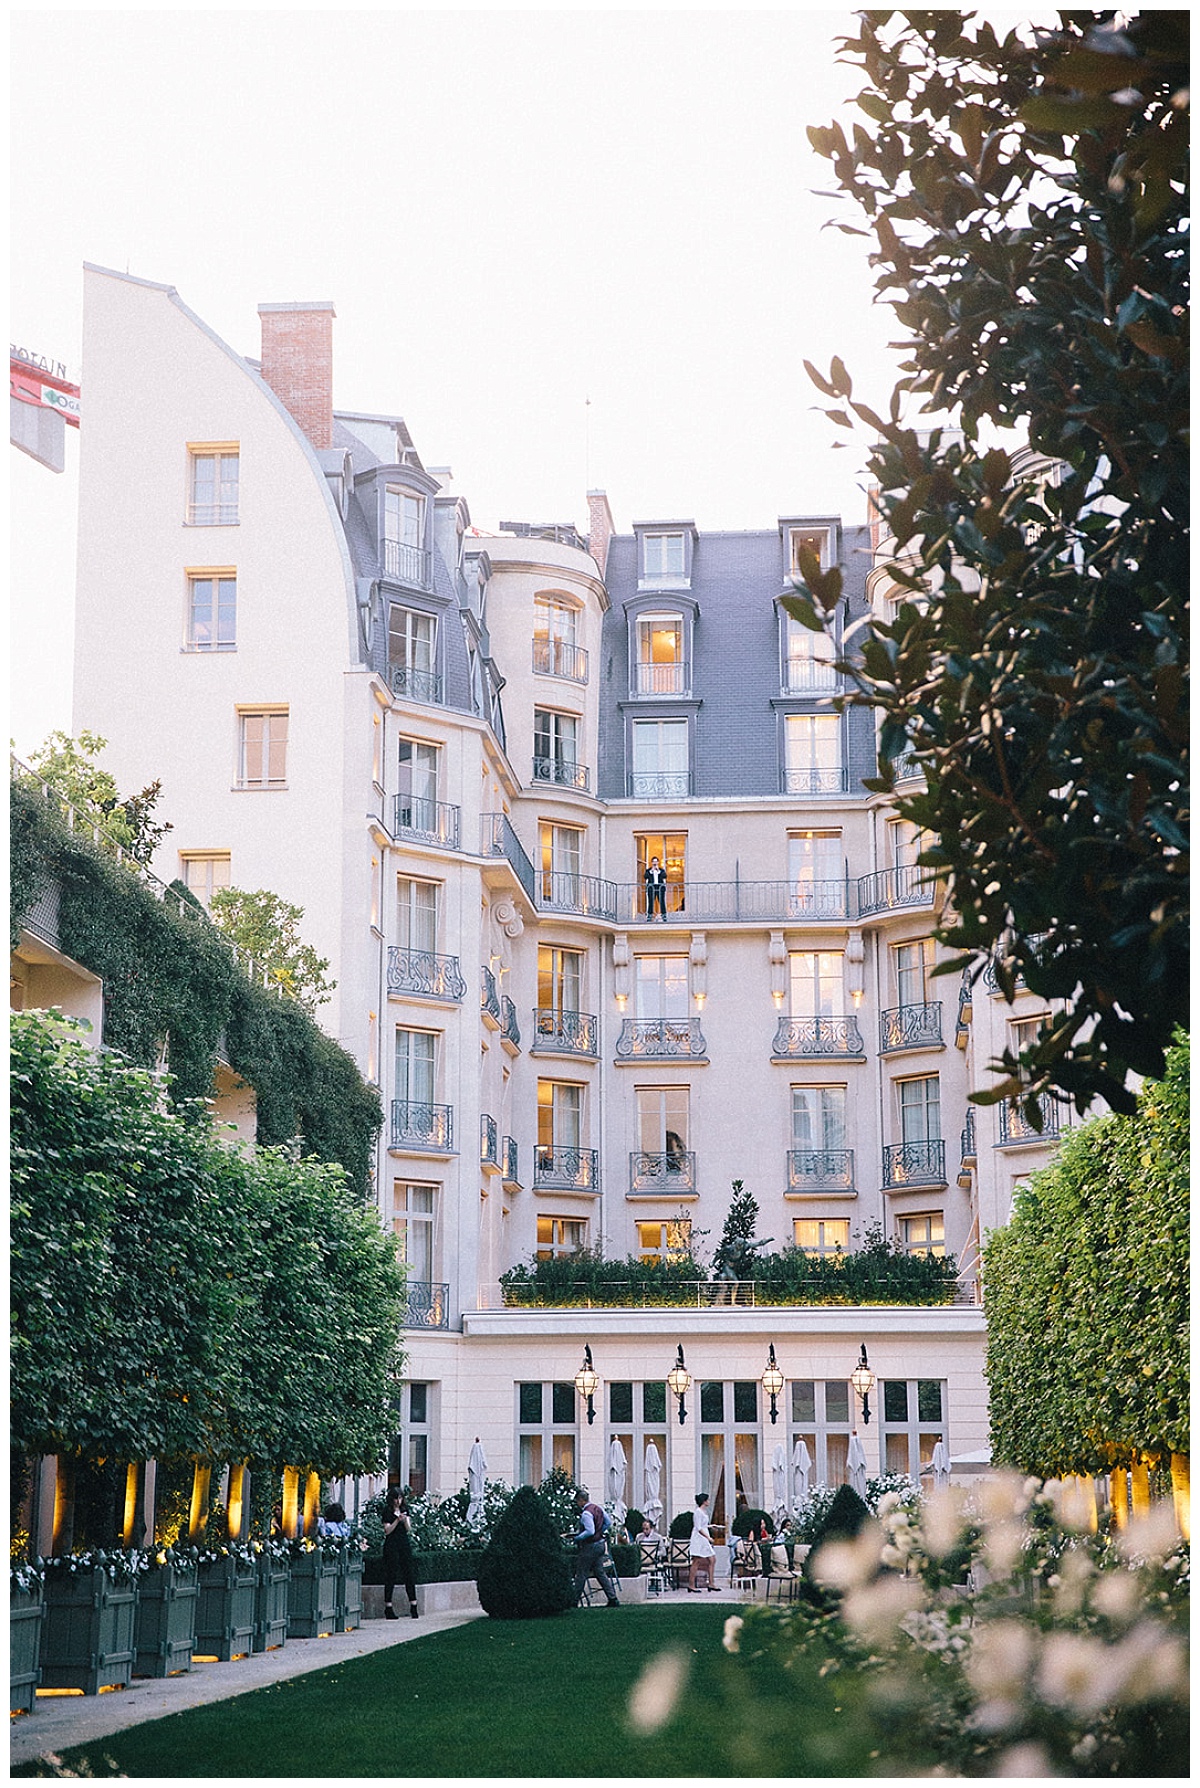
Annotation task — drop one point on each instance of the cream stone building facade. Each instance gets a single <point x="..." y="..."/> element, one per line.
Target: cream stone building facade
<point x="459" y="752"/>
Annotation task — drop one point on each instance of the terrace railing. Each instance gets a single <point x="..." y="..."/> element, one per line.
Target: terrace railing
<point x="805" y="1038"/>
<point x="416" y="1123"/>
<point x="558" y="658"/>
<point x="427" y="822"/>
<point x="566" y="1033"/>
<point x="424" y="972"/>
<point x="416" y="685"/>
<point x="409" y="564"/>
<point x="887" y="889"/>
<point x="910" y="1027"/>
<point x="562" y="772"/>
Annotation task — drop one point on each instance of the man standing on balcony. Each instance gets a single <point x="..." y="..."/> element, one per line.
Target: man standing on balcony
<point x="655" y="879"/>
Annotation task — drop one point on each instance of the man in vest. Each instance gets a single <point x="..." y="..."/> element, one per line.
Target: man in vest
<point x="589" y="1546"/>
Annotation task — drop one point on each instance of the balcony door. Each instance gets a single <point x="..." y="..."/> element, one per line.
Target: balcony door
<point x="414" y="1210"/>
<point x="671" y="849"/>
<point x="817" y="984"/>
<point x="814" y="754"/>
<point x="661" y="669"/>
<point x="560" y="1118"/>
<point x="416" y="1066"/>
<point x="818" y="1117"/>
<point x="913" y="965"/>
<point x="416" y="914"/>
<point x="411" y="640"/>
<point x="661" y="987"/>
<point x="920" y="1110"/>
<point x="560" y="980"/>
<point x="660" y="759"/>
<point x="815" y="873"/>
<point x="663" y="1134"/>
<point x="418" y="785"/>
<point x="555" y="744"/>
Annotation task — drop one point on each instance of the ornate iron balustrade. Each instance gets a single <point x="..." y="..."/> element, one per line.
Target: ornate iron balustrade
<point x="967" y="1140"/>
<point x="561" y="772"/>
<point x="915" y="1163"/>
<point x="820" y="1170"/>
<point x="662" y="679"/>
<point x="906" y="766"/>
<point x="800" y="1037"/>
<point x="510" y="1030"/>
<point x="407" y="563"/>
<point x="809" y="676"/>
<point x="421" y="971"/>
<point x="426" y="1305"/>
<point x="1016" y="1127"/>
<point x="419" y="686"/>
<point x="814" y="781"/>
<point x="885" y="889"/>
<point x="417" y="1122"/>
<point x="489" y="999"/>
<point x="570" y="1169"/>
<point x="509" y="1163"/>
<point x="489" y="1150"/>
<point x="499" y="840"/>
<point x="558" y="658"/>
<point x="560" y="891"/>
<point x="669" y="1172"/>
<point x="963" y="1019"/>
<point x="647" y="785"/>
<point x="430" y="822"/>
<point x="754" y="902"/>
<point x="910" y="1027"/>
<point x="989" y="979"/>
<point x="568" y="1033"/>
<point x="661" y="1037"/>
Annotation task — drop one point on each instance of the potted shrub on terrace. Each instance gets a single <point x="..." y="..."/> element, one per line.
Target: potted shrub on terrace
<point x="25" y="1607"/>
<point x="350" y="1587"/>
<point x="313" y="1587"/>
<point x="164" y="1628"/>
<point x="87" y="1627"/>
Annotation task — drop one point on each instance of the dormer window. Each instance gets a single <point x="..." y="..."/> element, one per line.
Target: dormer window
<point x="404" y="537"/>
<point x="660" y="664"/>
<point x="807" y="659"/>
<point x="817" y="538"/>
<point x="663" y="555"/>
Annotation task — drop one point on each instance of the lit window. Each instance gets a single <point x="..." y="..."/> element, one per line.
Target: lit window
<point x="913" y="1418"/>
<point x="212" y="612"/>
<point x="813" y="761"/>
<point x="414" y="1213"/>
<point x="560" y="1235"/>
<point x="820" y="1236"/>
<point x="660" y="760"/>
<point x="213" y="498"/>
<point x="262" y="756"/>
<point x="545" y="1430"/>
<point x="920" y="1109"/>
<point x="660" y="668"/>
<point x="669" y="1240"/>
<point x="204" y="873"/>
<point x="923" y="1234"/>
<point x="817" y="540"/>
<point x="817" y="983"/>
<point x="807" y="660"/>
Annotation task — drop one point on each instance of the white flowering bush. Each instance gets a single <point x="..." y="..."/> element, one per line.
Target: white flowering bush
<point x="115" y="1562"/>
<point x="993" y="1637"/>
<point x="26" y="1575"/>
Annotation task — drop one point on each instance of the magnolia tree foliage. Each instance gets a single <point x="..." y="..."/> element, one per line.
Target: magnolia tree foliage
<point x="72" y="769"/>
<point x="172" y="1295"/>
<point x="1027" y="202"/>
<point x="1087" y="1295"/>
<point x="268" y="929"/>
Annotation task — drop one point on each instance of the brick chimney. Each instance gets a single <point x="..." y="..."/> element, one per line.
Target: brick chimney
<point x="600" y="527"/>
<point x="297" y="363"/>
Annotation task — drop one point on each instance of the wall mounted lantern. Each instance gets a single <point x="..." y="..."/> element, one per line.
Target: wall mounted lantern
<point x="862" y="1378"/>
<point x="772" y="1381"/>
<point x="679" y="1381"/>
<point x="587" y="1380"/>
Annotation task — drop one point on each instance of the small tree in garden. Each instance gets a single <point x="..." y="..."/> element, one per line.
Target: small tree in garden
<point x="525" y="1572"/>
<point x="737" y="1249"/>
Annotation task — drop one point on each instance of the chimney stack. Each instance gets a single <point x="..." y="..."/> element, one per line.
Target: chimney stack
<point x="297" y="363"/>
<point x="600" y="527"/>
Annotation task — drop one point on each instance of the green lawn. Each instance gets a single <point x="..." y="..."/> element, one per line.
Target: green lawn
<point x="515" y="1698"/>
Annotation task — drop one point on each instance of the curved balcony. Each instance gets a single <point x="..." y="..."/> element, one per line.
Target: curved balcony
<point x="428" y="822"/>
<point x="561" y="891"/>
<point x="558" y="658"/>
<point x="820" y="1170"/>
<point x="752" y="902"/>
<point x="914" y="1164"/>
<point x="489" y="998"/>
<point x="910" y="1027"/>
<point x="489" y="1141"/>
<point x="669" y="1173"/>
<point x="423" y="972"/>
<point x="1016" y="1127"/>
<point x="415" y="685"/>
<point x="510" y="1030"/>
<point x="417" y="1124"/>
<point x="571" y="1170"/>
<point x="662" y="1039"/>
<point x="885" y="890"/>
<point x="426" y="1305"/>
<point x="562" y="773"/>
<point x="565" y="1033"/>
<point x="801" y="1038"/>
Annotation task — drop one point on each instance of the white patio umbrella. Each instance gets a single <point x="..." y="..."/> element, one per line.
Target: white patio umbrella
<point x="476" y="1472"/>
<point x="779" y="1481"/>
<point x="801" y="1467"/>
<point x="941" y="1463"/>
<point x="652" y="1506"/>
<point x="616" y="1480"/>
<point x="856" y="1462"/>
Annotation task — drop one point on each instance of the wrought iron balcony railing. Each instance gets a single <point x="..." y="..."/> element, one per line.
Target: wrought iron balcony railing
<point x="809" y="676"/>
<point x="417" y="1123"/>
<point x="885" y="889"/>
<point x="813" y="780"/>
<point x="967" y="1140"/>
<point x="661" y="1038"/>
<point x="820" y="1170"/>
<point x="669" y="1172"/>
<point x="429" y="822"/>
<point x="509" y="1163"/>
<point x="561" y="891"/>
<point x="660" y="785"/>
<point x="562" y="772"/>
<point x="1016" y="1127"/>
<point x="565" y="1033"/>
<point x="417" y="685"/>
<point x="910" y="1027"/>
<point x="754" y="902"/>
<point x="497" y="839"/>
<point x="489" y="998"/>
<point x="570" y="1169"/>
<point x="510" y="1030"/>
<point x="662" y="679"/>
<point x="914" y="1163"/>
<point x="426" y="1305"/>
<point x="803" y="1037"/>
<point x="423" y="972"/>
<point x="489" y="1149"/>
<point x="558" y="658"/>
<point x="407" y="563"/>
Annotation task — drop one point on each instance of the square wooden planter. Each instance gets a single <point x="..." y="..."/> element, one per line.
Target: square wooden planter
<point x="87" y="1630"/>
<point x="271" y="1603"/>
<point x="350" y="1592"/>
<point x="165" y="1626"/>
<point x="313" y="1594"/>
<point x="225" y="1610"/>
<point x="24" y="1643"/>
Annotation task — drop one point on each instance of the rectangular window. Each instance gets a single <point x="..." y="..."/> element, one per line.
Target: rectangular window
<point x="416" y="914"/>
<point x="262" y="749"/>
<point x="663" y="1120"/>
<point x="816" y="872"/>
<point x="669" y="1240"/>
<point x="555" y="633"/>
<point x="813" y="754"/>
<point x="820" y="1236"/>
<point x="905" y="842"/>
<point x="670" y="848"/>
<point x="914" y="1420"/>
<point x="403" y="517"/>
<point x="662" y="556"/>
<point x="560" y="1235"/>
<point x="555" y="742"/>
<point x="561" y="850"/>
<point x="660" y="759"/>
<point x="545" y="1430"/>
<point x="409" y="1462"/>
<point x="417" y="786"/>
<point x="213" y="499"/>
<point x="412" y="652"/>
<point x="920" y="1109"/>
<point x="817" y="983"/>
<point x="414" y="1212"/>
<point x="924" y="1234"/>
<point x="204" y="873"/>
<point x="416" y="1066"/>
<point x="807" y="660"/>
<point x="212" y="612"/>
<point x="818" y="1117"/>
<point x="660" y="666"/>
<point x="560" y="1117"/>
<point x="912" y="966"/>
<point x="560" y="980"/>
<point x="817" y="540"/>
<point x="661" y="986"/>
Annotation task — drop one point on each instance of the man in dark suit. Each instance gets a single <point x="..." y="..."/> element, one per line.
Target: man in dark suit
<point x="655" y="879"/>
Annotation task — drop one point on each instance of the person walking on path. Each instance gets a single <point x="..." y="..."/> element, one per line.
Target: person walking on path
<point x="701" y="1551"/>
<point x="589" y="1544"/>
<point x="655" y="878"/>
<point x="397" y="1554"/>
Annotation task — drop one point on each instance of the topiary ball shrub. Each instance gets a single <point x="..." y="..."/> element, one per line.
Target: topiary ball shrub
<point x="752" y="1521"/>
<point x="525" y="1573"/>
<point x="633" y="1525"/>
<point x="681" y="1526"/>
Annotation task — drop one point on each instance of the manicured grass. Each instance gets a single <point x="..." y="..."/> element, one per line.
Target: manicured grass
<point x="516" y="1698"/>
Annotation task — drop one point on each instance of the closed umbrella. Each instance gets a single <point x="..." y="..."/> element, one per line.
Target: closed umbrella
<point x="801" y="1467"/>
<point x="616" y="1480"/>
<point x="856" y="1461"/>
<point x="652" y="1506"/>
<point x="779" y="1475"/>
<point x="476" y="1472"/>
<point x="941" y="1463"/>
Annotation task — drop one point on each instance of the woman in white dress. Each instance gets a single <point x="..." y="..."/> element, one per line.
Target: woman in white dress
<point x="701" y="1551"/>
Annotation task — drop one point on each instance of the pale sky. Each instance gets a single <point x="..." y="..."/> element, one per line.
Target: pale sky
<point x="513" y="213"/>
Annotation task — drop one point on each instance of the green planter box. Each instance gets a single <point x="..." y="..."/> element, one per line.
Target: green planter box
<point x="87" y="1630"/>
<point x="225" y="1610"/>
<point x="164" y="1629"/>
<point x="350" y="1588"/>
<point x="24" y="1642"/>
<point x="313" y="1594"/>
<point x="271" y="1603"/>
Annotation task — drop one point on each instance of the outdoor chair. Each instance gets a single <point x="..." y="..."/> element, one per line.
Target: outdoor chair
<point x="744" y="1567"/>
<point x="780" y="1575"/>
<point x="677" y="1562"/>
<point x="653" y="1568"/>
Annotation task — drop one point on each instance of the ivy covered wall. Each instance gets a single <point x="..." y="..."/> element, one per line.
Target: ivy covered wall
<point x="170" y="978"/>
